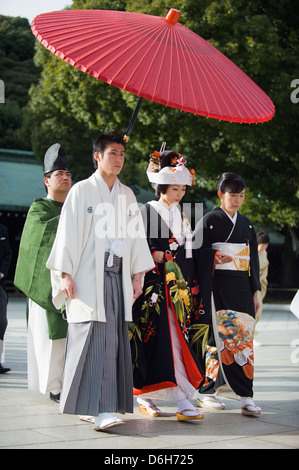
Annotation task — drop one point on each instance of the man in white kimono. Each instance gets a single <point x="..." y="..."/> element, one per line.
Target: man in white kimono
<point x="97" y="262"/>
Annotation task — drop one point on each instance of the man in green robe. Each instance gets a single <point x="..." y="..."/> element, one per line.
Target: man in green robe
<point x="47" y="328"/>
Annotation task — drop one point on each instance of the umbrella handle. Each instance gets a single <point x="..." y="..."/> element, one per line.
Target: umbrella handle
<point x="133" y="119"/>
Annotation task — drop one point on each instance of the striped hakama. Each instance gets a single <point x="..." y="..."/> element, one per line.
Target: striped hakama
<point x="98" y="368"/>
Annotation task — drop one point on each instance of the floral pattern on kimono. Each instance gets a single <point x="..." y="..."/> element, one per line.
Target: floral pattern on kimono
<point x="236" y="331"/>
<point x="170" y="285"/>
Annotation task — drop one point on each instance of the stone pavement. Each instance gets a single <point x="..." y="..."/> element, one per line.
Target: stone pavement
<point x="29" y="420"/>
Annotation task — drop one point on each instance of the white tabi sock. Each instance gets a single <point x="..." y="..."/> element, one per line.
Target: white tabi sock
<point x="187" y="405"/>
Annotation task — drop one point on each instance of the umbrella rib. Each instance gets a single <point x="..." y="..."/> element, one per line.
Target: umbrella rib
<point x="227" y="72"/>
<point x="158" y="73"/>
<point x="170" y="74"/>
<point x="150" y="33"/>
<point x="56" y="47"/>
<point x="218" y="84"/>
<point x="234" y="89"/>
<point x="204" y="71"/>
<point x="259" y="97"/>
<point x="175" y="37"/>
<point x="67" y="56"/>
<point x="92" y="40"/>
<point x="115" y="37"/>
<point x="249" y="89"/>
<point x="186" y="68"/>
<point x="117" y="56"/>
<point x="149" y="69"/>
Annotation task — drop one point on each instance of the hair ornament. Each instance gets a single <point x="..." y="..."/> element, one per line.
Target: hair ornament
<point x="155" y="161"/>
<point x="175" y="173"/>
<point x="192" y="171"/>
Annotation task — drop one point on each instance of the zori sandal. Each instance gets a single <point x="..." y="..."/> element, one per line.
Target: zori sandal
<point x="105" y="421"/>
<point x="148" y="408"/>
<point x="249" y="408"/>
<point x="187" y="415"/>
<point x="211" y="402"/>
<point x="88" y="419"/>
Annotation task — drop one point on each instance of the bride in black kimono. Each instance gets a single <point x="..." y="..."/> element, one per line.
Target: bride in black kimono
<point x="168" y="338"/>
<point x="228" y="267"/>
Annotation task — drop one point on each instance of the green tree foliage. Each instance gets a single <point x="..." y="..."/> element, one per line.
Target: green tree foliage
<point x="18" y="73"/>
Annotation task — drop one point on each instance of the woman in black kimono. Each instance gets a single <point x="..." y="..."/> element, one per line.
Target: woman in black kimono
<point x="229" y="254"/>
<point x="167" y="319"/>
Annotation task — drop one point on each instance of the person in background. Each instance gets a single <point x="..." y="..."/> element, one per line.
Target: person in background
<point x="47" y="329"/>
<point x="263" y="241"/>
<point x="5" y="260"/>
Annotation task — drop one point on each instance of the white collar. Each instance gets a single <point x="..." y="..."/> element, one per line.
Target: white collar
<point x="173" y="218"/>
<point x="114" y="191"/>
<point x="109" y="193"/>
<point x="234" y="218"/>
<point x="166" y="214"/>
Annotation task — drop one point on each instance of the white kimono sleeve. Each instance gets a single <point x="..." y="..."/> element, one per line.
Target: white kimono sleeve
<point x="66" y="250"/>
<point x="141" y="257"/>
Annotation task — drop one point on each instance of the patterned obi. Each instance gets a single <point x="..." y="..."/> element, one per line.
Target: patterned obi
<point x="239" y="251"/>
<point x="117" y="264"/>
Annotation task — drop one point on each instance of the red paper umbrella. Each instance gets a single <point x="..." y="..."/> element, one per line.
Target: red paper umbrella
<point x="155" y="58"/>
